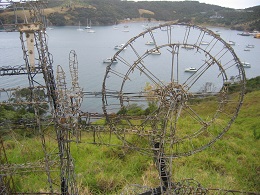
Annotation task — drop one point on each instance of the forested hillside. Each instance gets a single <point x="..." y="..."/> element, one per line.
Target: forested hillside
<point x="108" y="12"/>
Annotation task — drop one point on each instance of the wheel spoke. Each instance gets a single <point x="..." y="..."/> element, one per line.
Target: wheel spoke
<point x="177" y="122"/>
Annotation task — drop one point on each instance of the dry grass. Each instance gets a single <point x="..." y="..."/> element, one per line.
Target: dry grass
<point x="144" y="11"/>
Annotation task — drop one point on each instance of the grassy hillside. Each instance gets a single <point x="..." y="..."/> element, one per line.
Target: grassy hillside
<point x="233" y="162"/>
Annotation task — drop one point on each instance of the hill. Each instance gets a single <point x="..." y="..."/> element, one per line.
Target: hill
<point x="109" y="12"/>
<point x="231" y="163"/>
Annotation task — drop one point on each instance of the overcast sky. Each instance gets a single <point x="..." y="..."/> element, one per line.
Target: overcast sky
<point x="237" y="4"/>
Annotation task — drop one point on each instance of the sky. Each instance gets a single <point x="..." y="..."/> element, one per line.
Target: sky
<point x="237" y="4"/>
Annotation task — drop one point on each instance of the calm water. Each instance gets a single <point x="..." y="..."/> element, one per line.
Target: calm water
<point x="93" y="48"/>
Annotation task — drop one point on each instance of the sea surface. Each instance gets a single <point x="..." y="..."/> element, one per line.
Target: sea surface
<point x="93" y="48"/>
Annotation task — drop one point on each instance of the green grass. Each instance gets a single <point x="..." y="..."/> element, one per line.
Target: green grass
<point x="233" y="162"/>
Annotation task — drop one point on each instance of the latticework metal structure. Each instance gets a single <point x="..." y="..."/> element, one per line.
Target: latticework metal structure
<point x="41" y="91"/>
<point x="153" y="65"/>
<point x="169" y="91"/>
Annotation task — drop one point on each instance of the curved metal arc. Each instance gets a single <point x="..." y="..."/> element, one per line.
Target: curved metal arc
<point x="176" y="115"/>
<point x="73" y="65"/>
<point x="208" y="64"/>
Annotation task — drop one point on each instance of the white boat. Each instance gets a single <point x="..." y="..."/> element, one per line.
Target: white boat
<point x="110" y="60"/>
<point x="255" y="32"/>
<point x="126" y="29"/>
<point x="244" y="34"/>
<point x="121" y="46"/>
<point x="164" y="29"/>
<point x="49" y="28"/>
<point x="187" y="47"/>
<point x="250" y="46"/>
<point x="88" y="25"/>
<point x="246" y="49"/>
<point x="149" y="43"/>
<point x="48" y="25"/>
<point x="190" y="69"/>
<point x="146" y="26"/>
<point x="246" y="64"/>
<point x="91" y="31"/>
<point x="89" y="28"/>
<point x="231" y="43"/>
<point x="204" y="43"/>
<point x="79" y="29"/>
<point x="155" y="52"/>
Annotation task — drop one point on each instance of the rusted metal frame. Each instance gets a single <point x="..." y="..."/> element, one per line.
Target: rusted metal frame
<point x="187" y="34"/>
<point x="110" y="70"/>
<point x="162" y="166"/>
<point x="172" y="64"/>
<point x="152" y="36"/>
<point x="15" y="70"/>
<point x="189" y="186"/>
<point x="209" y="64"/>
<point x="6" y="181"/>
<point x="230" y="66"/>
<point x="225" y="191"/>
<point x="177" y="63"/>
<point x="135" y="65"/>
<point x="46" y="61"/>
<point x="142" y="69"/>
<point x="68" y="184"/>
<point x="73" y="65"/>
<point x="34" y="193"/>
<point x="36" y="108"/>
<point x="229" y="48"/>
<point x="13" y="169"/>
<point x="199" y="40"/>
<point x="162" y="162"/>
<point x="174" y="116"/>
<point x="47" y="167"/>
<point x="77" y="93"/>
<point x="169" y="34"/>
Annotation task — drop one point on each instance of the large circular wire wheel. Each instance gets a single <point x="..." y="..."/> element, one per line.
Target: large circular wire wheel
<point x="175" y="88"/>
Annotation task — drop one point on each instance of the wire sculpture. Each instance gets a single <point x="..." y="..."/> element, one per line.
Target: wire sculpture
<point x="172" y="93"/>
<point x="169" y="89"/>
<point x="38" y="65"/>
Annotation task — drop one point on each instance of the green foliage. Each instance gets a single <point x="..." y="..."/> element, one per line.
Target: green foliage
<point x="231" y="163"/>
<point x="57" y="19"/>
<point x="136" y="110"/>
<point x="132" y="110"/>
<point x="104" y="12"/>
<point x="25" y="95"/>
<point x="253" y="84"/>
<point x="19" y="112"/>
<point x="107" y="169"/>
<point x="152" y="106"/>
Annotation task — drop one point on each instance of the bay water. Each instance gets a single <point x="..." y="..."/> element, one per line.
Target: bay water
<point x="93" y="48"/>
